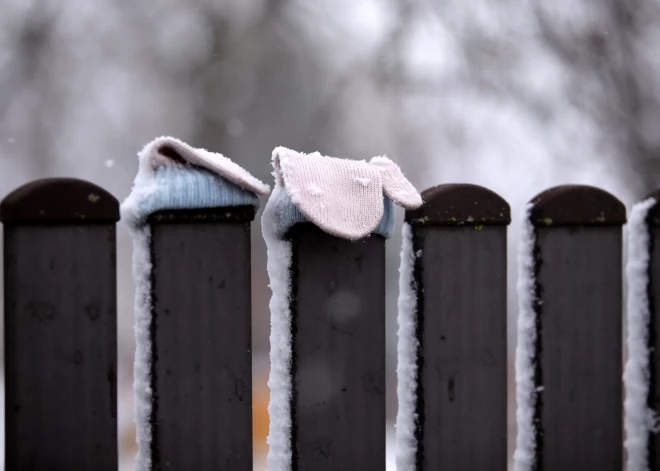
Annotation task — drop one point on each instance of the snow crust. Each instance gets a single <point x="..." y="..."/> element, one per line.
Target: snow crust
<point x="526" y="390"/>
<point x="407" y="350"/>
<point x="639" y="419"/>
<point x="142" y="368"/>
<point x="279" y="381"/>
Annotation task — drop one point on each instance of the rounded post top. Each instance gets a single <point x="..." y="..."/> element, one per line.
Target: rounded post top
<point x="577" y="205"/>
<point x="460" y="204"/>
<point x="59" y="200"/>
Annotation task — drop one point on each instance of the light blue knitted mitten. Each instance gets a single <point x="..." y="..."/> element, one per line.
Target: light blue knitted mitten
<point x="174" y="175"/>
<point x="183" y="187"/>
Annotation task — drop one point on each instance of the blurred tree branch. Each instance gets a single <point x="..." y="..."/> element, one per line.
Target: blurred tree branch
<point x="29" y="79"/>
<point x="608" y="58"/>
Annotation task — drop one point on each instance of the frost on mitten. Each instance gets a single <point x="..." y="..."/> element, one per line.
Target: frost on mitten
<point x="174" y="175"/>
<point x="346" y="198"/>
<point x="171" y="175"/>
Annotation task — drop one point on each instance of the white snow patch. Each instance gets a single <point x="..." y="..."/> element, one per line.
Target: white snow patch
<point x="639" y="418"/>
<point x="315" y="190"/>
<point x="143" y="185"/>
<point x="526" y="391"/>
<point x="363" y="181"/>
<point x="141" y="372"/>
<point x="407" y="347"/>
<point x="279" y="381"/>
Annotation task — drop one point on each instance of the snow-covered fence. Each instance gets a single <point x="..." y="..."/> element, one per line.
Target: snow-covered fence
<point x="60" y="326"/>
<point x="193" y="263"/>
<point x="452" y="332"/>
<point x="568" y="365"/>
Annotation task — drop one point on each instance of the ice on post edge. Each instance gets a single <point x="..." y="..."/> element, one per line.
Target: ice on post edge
<point x="526" y="392"/>
<point x="346" y="198"/>
<point x="171" y="175"/>
<point x="639" y="420"/>
<point x="407" y="350"/>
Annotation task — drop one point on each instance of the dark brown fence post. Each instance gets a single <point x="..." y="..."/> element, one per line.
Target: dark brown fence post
<point x="578" y="308"/>
<point x="60" y="326"/>
<point x="201" y="339"/>
<point x="458" y="239"/>
<point x="338" y="370"/>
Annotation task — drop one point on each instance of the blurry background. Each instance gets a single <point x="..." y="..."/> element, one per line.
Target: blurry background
<point x="516" y="96"/>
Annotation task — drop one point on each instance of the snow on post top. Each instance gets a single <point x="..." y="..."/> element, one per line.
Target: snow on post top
<point x="165" y="151"/>
<point x="343" y="197"/>
<point x="577" y="205"/>
<point x="174" y="175"/>
<point x="458" y="205"/>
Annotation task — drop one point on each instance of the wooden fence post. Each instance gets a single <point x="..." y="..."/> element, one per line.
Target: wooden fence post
<point x="60" y="326"/>
<point x="338" y="368"/>
<point x="578" y="307"/>
<point x="201" y="339"/>
<point x="459" y="281"/>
